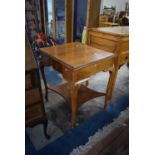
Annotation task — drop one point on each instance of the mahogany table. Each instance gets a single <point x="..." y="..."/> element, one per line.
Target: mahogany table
<point x="77" y="62"/>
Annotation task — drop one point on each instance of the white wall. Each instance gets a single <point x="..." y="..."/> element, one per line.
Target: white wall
<point x="120" y="4"/>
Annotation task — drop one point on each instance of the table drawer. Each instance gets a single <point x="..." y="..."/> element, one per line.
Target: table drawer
<point x="94" y="68"/>
<point x="33" y="112"/>
<point x="61" y="69"/>
<point x="32" y="96"/>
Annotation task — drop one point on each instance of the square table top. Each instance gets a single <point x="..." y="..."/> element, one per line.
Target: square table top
<point x="76" y="55"/>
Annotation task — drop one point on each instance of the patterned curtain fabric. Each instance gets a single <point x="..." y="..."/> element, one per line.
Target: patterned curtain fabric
<point x="31" y="17"/>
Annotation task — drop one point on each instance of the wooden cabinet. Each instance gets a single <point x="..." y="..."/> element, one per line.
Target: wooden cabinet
<point x="34" y="107"/>
<point x="111" y="39"/>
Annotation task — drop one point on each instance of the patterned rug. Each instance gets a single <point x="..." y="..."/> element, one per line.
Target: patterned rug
<point x="101" y="134"/>
<point x="59" y="113"/>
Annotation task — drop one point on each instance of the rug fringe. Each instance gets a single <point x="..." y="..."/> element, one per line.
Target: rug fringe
<point x="101" y="133"/>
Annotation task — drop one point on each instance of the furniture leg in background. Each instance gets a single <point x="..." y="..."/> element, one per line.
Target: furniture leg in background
<point x="114" y="40"/>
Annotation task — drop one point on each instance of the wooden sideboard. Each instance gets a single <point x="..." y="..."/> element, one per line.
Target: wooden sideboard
<point x="34" y="107"/>
<point x="111" y="39"/>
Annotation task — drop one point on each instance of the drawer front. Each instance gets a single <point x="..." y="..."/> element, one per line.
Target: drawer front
<point x="33" y="112"/>
<point x="32" y="96"/>
<point x="102" y="43"/>
<point x="102" y="35"/>
<point x="94" y="68"/>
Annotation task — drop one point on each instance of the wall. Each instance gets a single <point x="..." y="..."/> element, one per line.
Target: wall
<point x="120" y="4"/>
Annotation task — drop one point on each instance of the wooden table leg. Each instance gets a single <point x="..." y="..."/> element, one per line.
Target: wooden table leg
<point x="74" y="103"/>
<point x="110" y="86"/>
<point x="114" y="76"/>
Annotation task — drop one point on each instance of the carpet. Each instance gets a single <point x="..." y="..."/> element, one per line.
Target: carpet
<point x="79" y="135"/>
<point x="101" y="133"/>
<point x="40" y="141"/>
<point x="59" y="113"/>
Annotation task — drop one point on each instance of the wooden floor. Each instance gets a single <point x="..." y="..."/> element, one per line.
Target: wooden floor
<point x="116" y="143"/>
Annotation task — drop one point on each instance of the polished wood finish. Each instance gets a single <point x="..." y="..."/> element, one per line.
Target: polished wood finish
<point x="77" y="62"/>
<point x="84" y="93"/>
<point x="76" y="55"/>
<point x="112" y="39"/>
<point x="34" y="108"/>
<point x="69" y="20"/>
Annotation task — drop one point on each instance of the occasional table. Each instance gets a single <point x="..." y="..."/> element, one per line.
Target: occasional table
<point x="77" y="62"/>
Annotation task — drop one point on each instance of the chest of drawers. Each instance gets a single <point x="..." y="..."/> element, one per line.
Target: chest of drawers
<point x="111" y="39"/>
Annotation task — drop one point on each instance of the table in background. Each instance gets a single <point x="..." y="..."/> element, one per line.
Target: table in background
<point x="112" y="39"/>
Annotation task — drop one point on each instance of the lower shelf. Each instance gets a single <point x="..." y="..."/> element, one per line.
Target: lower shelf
<point x="84" y="94"/>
